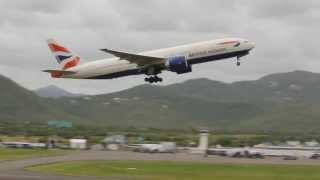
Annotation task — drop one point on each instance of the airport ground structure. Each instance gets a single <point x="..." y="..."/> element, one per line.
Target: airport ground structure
<point x="44" y="162"/>
<point x="310" y="149"/>
<point x="20" y="169"/>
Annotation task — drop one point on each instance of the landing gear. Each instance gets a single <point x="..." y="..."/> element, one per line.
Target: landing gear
<point x="238" y="61"/>
<point x="153" y="79"/>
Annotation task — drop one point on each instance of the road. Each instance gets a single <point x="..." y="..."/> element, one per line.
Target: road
<point x="14" y="170"/>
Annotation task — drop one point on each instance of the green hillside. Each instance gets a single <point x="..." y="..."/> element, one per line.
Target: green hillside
<point x="162" y="112"/>
<point x="292" y="87"/>
<point x="286" y="102"/>
<point x="21" y="105"/>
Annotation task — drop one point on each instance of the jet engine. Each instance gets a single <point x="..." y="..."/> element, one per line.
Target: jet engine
<point x="178" y="64"/>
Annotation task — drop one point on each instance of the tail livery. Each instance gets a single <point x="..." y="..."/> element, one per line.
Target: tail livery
<point x="63" y="56"/>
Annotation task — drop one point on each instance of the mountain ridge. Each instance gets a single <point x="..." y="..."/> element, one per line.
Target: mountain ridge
<point x="279" y="102"/>
<point x="53" y="91"/>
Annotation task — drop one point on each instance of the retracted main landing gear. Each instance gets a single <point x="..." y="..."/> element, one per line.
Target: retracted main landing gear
<point x="238" y="61"/>
<point x="153" y="79"/>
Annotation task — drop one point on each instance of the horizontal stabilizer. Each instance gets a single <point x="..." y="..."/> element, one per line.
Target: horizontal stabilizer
<point x="58" y="73"/>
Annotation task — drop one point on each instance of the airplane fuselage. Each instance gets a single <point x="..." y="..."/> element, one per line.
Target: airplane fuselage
<point x="194" y="54"/>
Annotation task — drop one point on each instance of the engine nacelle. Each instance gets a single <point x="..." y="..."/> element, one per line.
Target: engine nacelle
<point x="178" y="64"/>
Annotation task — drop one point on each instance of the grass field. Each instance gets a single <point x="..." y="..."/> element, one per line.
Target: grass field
<point x="15" y="154"/>
<point x="182" y="171"/>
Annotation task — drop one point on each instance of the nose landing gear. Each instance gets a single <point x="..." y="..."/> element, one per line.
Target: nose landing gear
<point x="153" y="79"/>
<point x="238" y="61"/>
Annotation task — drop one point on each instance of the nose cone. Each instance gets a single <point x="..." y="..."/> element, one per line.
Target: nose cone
<point x="252" y="45"/>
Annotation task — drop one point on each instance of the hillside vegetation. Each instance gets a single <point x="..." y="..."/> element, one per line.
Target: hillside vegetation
<point x="287" y="102"/>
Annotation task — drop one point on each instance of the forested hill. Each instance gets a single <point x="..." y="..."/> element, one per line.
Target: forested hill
<point x="278" y="102"/>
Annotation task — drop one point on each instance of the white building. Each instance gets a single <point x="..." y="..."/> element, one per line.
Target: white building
<point x="293" y="143"/>
<point x="163" y="147"/>
<point x="115" y="142"/>
<point x="23" y="145"/>
<point x="78" y="143"/>
<point x="312" y="144"/>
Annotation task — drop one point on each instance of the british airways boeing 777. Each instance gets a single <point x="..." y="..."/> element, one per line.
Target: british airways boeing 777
<point x="178" y="59"/>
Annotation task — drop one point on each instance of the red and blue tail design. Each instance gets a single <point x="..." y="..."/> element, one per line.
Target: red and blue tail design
<point x="63" y="56"/>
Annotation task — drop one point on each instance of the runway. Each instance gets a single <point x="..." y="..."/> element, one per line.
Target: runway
<point x="14" y="170"/>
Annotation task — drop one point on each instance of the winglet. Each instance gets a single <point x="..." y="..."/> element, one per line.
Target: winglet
<point x="105" y="50"/>
<point x="115" y="53"/>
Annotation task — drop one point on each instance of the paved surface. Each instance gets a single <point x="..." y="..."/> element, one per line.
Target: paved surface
<point x="14" y="170"/>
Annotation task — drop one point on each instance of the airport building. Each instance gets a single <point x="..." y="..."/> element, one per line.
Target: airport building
<point x="78" y="143"/>
<point x="203" y="143"/>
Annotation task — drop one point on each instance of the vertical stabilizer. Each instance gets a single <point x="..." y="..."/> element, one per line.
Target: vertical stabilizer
<point x="64" y="56"/>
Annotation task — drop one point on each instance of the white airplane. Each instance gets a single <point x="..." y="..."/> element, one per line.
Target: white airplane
<point x="178" y="59"/>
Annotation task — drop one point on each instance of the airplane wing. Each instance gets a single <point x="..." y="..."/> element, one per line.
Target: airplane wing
<point x="140" y="60"/>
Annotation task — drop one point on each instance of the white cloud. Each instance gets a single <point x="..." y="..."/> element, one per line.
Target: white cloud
<point x="285" y="32"/>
